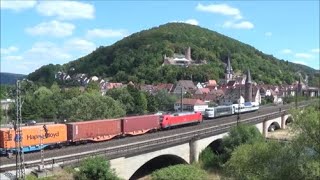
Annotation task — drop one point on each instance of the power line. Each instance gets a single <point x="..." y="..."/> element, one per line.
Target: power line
<point x="20" y="168"/>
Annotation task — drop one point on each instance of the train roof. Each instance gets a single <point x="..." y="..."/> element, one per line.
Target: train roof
<point x="181" y="113"/>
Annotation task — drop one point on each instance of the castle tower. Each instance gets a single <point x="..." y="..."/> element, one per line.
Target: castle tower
<point x="228" y="71"/>
<point x="248" y="88"/>
<point x="188" y="53"/>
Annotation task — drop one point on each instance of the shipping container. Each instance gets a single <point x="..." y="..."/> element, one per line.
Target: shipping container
<point x="97" y="130"/>
<point x="136" y="125"/>
<point x="33" y="137"/>
<point x="178" y="119"/>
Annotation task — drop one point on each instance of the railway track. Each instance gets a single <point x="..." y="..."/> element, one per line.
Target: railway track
<point x="129" y="145"/>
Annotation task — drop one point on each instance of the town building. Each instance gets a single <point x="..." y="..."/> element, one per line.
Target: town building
<point x="190" y="105"/>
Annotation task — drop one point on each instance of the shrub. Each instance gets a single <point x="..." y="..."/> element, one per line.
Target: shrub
<point x="180" y="172"/>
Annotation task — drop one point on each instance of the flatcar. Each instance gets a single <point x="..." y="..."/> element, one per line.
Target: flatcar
<point x="137" y="125"/>
<point x="96" y="130"/>
<point x="32" y="137"/>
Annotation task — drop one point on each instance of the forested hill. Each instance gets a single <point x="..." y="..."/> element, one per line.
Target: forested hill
<point x="10" y="78"/>
<point x="139" y="57"/>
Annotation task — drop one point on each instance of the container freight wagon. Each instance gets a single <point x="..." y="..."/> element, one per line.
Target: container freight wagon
<point x="136" y="125"/>
<point x="180" y="119"/>
<point x="50" y="135"/>
<point x="97" y="130"/>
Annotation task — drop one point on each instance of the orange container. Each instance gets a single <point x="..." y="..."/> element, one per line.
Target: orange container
<point x="56" y="133"/>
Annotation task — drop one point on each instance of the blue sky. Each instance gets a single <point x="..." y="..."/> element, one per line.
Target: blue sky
<point x="36" y="33"/>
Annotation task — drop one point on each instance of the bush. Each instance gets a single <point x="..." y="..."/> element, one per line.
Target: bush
<point x="242" y="134"/>
<point x="95" y="168"/>
<point x="208" y="159"/>
<point x="180" y="172"/>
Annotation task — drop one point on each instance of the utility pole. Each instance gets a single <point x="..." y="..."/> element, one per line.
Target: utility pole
<point x="238" y="117"/>
<point x="20" y="168"/>
<point x="41" y="150"/>
<point x="296" y="98"/>
<point x="181" y="104"/>
<point x="42" y="136"/>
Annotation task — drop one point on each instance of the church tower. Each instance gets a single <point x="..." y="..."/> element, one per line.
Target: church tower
<point x="248" y="88"/>
<point x="299" y="90"/>
<point x="228" y="72"/>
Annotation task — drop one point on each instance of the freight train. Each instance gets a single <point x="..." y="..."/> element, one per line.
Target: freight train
<point x="35" y="138"/>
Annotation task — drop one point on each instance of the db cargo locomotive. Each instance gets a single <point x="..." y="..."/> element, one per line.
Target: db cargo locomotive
<point x="35" y="138"/>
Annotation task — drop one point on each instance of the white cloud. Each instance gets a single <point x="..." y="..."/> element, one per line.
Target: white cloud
<point x="17" y="5"/>
<point x="238" y="25"/>
<point x="303" y="55"/>
<point x="286" y="51"/>
<point x="223" y="9"/>
<point x="268" y="34"/>
<point x="66" y="10"/>
<point x="192" y="21"/>
<point x="106" y="33"/>
<point x="80" y="45"/>
<point x="52" y="28"/>
<point x="12" y="58"/>
<point x="9" y="50"/>
<point x="317" y="50"/>
<point x="46" y="52"/>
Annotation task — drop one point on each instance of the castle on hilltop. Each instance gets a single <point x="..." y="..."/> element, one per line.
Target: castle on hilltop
<point x="182" y="59"/>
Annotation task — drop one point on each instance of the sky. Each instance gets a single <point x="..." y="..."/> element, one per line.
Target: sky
<point x="36" y="33"/>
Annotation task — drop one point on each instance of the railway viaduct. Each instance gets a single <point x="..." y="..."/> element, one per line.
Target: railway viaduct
<point x="187" y="151"/>
<point x="130" y="157"/>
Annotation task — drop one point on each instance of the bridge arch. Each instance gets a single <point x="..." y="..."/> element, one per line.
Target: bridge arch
<point x="288" y="120"/>
<point x="158" y="162"/>
<point x="127" y="166"/>
<point x="273" y="126"/>
<point x="201" y="144"/>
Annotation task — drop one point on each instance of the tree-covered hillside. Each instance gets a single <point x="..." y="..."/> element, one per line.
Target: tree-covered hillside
<point x="139" y="57"/>
<point x="10" y="78"/>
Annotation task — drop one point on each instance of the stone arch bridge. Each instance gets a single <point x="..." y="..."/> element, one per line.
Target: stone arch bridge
<point x="186" y="149"/>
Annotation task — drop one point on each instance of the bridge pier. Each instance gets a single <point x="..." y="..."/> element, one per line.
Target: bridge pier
<point x="264" y="128"/>
<point x="283" y="122"/>
<point x="193" y="149"/>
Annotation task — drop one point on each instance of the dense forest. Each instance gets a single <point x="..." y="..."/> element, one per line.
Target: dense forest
<point x="139" y="58"/>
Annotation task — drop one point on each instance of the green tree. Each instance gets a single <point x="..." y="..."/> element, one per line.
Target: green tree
<point x="139" y="99"/>
<point x="124" y="97"/>
<point x="306" y="126"/>
<point x="152" y="103"/>
<point x="95" y="168"/>
<point x="254" y="161"/>
<point x="208" y="159"/>
<point x="242" y="134"/>
<point x="185" y="172"/>
<point x="165" y="101"/>
<point x="93" y="87"/>
<point x="91" y="106"/>
<point x="299" y="159"/>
